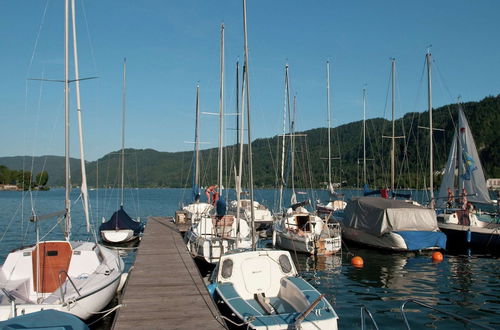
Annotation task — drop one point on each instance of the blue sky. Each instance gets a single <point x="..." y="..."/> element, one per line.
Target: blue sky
<point x="172" y="45"/>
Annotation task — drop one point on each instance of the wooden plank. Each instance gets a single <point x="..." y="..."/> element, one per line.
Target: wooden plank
<point x="165" y="289"/>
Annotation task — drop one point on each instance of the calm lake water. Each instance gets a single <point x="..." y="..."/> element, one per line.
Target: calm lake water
<point x="464" y="283"/>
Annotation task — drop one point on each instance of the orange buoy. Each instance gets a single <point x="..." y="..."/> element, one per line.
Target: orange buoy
<point x="357" y="262"/>
<point x="437" y="256"/>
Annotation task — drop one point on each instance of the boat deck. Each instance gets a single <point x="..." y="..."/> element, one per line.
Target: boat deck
<point x="165" y="289"/>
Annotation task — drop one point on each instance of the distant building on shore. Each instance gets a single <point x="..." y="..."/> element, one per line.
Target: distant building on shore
<point x="8" y="187"/>
<point x="493" y="184"/>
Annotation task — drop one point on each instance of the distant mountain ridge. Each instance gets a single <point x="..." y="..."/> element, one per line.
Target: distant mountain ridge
<point x="151" y="168"/>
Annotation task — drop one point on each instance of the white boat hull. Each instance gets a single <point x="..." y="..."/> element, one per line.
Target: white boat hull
<point x="95" y="270"/>
<point x="118" y="236"/>
<point x="390" y="241"/>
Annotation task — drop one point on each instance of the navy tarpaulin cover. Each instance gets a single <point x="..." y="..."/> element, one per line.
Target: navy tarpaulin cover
<point x="121" y="220"/>
<point x="221" y="207"/>
<point x="418" y="240"/>
<point x="368" y="192"/>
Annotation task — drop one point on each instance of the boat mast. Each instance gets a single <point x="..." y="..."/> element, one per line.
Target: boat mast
<point x="393" y="138"/>
<point x="241" y="139"/>
<point x="364" y="135"/>
<point x="67" y="202"/>
<point x="221" y="109"/>
<point x="196" y="184"/>
<point x="292" y="139"/>
<point x="249" y="133"/>
<point x="329" y="125"/>
<point x="431" y="164"/>
<point x="124" y="91"/>
<point x="83" y="187"/>
<point x="460" y="181"/>
<point x="285" y="107"/>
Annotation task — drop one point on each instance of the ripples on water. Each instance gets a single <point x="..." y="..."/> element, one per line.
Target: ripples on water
<point x="466" y="285"/>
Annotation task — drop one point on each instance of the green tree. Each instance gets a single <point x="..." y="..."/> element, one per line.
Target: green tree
<point x="42" y="178"/>
<point x="23" y="180"/>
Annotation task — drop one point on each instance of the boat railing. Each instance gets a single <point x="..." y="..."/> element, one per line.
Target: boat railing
<point x="458" y="317"/>
<point x="61" y="282"/>
<point x="365" y="311"/>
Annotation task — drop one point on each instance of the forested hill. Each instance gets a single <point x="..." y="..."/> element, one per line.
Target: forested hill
<point x="151" y="168"/>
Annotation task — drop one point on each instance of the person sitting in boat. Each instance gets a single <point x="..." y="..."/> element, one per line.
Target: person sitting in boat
<point x="470" y="207"/>
<point x="384" y="193"/>
<point x="463" y="199"/>
<point x="449" y="203"/>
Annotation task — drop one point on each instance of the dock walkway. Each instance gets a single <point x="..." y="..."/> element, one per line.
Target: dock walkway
<point x="165" y="289"/>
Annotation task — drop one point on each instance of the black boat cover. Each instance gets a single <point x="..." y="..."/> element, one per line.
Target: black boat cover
<point x="121" y="220"/>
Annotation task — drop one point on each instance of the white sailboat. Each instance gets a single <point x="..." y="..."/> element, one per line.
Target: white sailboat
<point x="465" y="223"/>
<point x="297" y="229"/>
<point x="210" y="236"/>
<point x="197" y="209"/>
<point x="121" y="228"/>
<point x="76" y="277"/>
<point x="260" y="288"/>
<point x="334" y="203"/>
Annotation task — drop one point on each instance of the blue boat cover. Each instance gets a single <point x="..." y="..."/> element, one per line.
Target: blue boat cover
<point x="46" y="319"/>
<point x="368" y="192"/>
<point x="419" y="240"/>
<point x="121" y="220"/>
<point x="221" y="207"/>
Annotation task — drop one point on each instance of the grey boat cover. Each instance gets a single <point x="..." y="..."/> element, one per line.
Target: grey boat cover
<point x="377" y="216"/>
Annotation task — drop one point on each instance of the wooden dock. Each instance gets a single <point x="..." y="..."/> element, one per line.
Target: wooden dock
<point x="165" y="289"/>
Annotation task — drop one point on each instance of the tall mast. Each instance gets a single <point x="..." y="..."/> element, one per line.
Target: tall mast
<point x="221" y="110"/>
<point x="249" y="133"/>
<point x="83" y="186"/>
<point x="364" y="135"/>
<point x="238" y="104"/>
<point x="393" y="138"/>
<point x="286" y="108"/>
<point x="66" y="120"/>
<point x="196" y="184"/>
<point x="292" y="138"/>
<point x="329" y="124"/>
<point x="241" y="139"/>
<point x="124" y="91"/>
<point x="431" y="164"/>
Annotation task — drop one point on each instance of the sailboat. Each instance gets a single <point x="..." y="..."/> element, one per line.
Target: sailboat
<point x="260" y="288"/>
<point x="395" y="225"/>
<point x="121" y="228"/>
<point x="210" y="236"/>
<point x="334" y="203"/>
<point x="297" y="229"/>
<point x="76" y="277"/>
<point x="197" y="209"/>
<point x="464" y="177"/>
